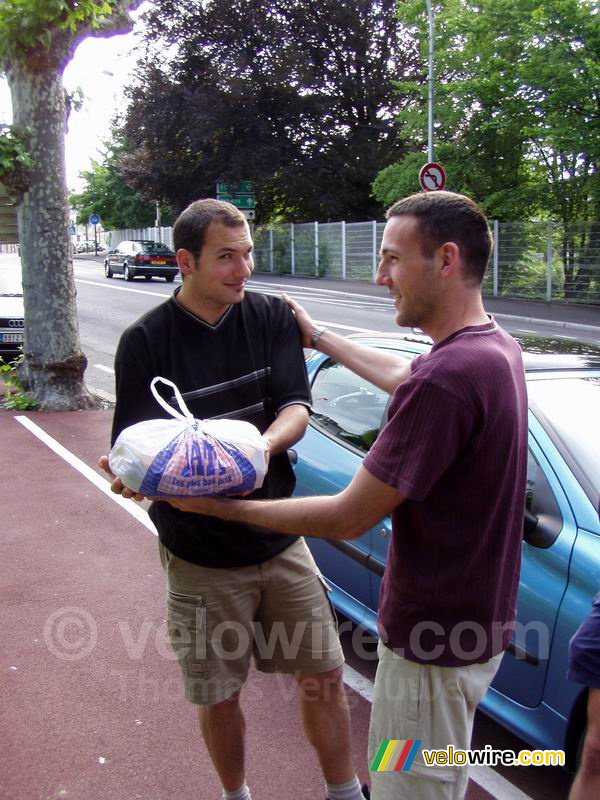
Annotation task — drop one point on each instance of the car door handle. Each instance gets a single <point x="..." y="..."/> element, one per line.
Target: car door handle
<point x="293" y="456"/>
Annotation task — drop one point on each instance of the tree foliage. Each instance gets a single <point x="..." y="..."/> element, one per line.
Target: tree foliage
<point x="106" y="193"/>
<point x="517" y="112"/>
<point x="37" y="40"/>
<point x="296" y="96"/>
<point x="518" y="98"/>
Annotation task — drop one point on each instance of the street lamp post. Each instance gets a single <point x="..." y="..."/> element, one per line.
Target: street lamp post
<point x="430" y="83"/>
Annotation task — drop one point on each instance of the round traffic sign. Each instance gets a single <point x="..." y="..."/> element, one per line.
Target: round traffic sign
<point x="94" y="219"/>
<point x="432" y="177"/>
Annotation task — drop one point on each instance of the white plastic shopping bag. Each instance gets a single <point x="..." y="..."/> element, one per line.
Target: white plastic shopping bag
<point x="184" y="457"/>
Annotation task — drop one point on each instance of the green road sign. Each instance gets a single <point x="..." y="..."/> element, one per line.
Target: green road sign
<point x="243" y="187"/>
<point x="239" y="200"/>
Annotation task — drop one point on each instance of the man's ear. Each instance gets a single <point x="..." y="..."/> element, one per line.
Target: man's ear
<point x="185" y="261"/>
<point x="449" y="254"/>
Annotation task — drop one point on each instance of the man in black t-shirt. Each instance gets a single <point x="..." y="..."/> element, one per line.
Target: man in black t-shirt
<point x="233" y="590"/>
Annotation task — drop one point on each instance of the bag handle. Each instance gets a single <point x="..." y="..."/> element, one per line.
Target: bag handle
<point x="186" y="416"/>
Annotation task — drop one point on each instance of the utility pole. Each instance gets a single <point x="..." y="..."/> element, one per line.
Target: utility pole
<point x="430" y="84"/>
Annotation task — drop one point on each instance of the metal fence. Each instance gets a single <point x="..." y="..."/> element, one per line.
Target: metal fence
<point x="530" y="260"/>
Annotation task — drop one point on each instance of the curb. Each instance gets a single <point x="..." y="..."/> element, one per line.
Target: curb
<point x="555" y="322"/>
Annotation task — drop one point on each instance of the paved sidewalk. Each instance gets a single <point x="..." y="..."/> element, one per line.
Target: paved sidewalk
<point x="92" y="704"/>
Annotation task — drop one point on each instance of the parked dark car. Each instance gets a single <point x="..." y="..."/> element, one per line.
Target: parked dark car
<point x="560" y="571"/>
<point x="141" y="257"/>
<point x="12" y="314"/>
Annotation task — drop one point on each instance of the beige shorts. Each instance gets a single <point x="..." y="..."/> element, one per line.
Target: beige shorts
<point x="277" y="612"/>
<point x="430" y="703"/>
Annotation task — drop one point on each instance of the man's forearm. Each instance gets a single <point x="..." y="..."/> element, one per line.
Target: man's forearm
<point x="287" y="429"/>
<point x="299" y="516"/>
<point x="381" y="367"/>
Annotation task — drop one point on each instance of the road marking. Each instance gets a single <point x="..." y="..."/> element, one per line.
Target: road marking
<point x="99" y="482"/>
<point x="361" y="685"/>
<point x="487" y="778"/>
<point x="110" y="370"/>
<point x="291" y="292"/>
<point x="495" y="784"/>
<point x="290" y="287"/>
<point x="122" y="288"/>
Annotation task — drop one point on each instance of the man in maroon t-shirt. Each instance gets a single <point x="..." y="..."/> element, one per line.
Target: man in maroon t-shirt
<point x="450" y="467"/>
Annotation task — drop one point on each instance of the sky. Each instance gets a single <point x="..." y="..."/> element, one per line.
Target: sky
<point x="101" y="68"/>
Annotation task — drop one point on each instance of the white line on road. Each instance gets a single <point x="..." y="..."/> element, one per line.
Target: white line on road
<point x="487" y="778"/>
<point x="122" y="288"/>
<point x="110" y="370"/>
<point x="99" y="482"/>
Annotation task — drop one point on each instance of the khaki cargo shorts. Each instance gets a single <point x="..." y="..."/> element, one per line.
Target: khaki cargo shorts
<point x="277" y="612"/>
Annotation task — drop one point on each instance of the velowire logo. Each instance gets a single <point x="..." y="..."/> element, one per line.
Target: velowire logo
<point x="395" y="755"/>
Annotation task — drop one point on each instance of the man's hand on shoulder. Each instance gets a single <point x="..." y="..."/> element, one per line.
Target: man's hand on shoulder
<point x="303" y="320"/>
<point x="117" y="486"/>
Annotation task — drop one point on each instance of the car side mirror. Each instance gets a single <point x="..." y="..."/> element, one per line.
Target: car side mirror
<point x="543" y="522"/>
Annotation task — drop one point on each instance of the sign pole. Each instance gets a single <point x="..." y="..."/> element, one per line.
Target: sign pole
<point x="430" y="84"/>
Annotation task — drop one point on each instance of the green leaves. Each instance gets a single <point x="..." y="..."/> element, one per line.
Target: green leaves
<point x="15" y="160"/>
<point x="26" y="25"/>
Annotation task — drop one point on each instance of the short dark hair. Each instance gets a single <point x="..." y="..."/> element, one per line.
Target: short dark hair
<point x="190" y="226"/>
<point x="450" y="217"/>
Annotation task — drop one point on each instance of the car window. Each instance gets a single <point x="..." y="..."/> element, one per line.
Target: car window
<point x="155" y="247"/>
<point x="347" y="406"/>
<point x="568" y="409"/>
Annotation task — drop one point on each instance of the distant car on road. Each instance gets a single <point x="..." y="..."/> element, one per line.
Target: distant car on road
<point x="12" y="314"/>
<point x="141" y="257"/>
<point x="561" y="539"/>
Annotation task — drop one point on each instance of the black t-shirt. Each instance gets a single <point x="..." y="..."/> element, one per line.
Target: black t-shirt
<point x="248" y="366"/>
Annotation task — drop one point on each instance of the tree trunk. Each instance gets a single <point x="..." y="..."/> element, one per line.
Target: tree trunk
<point x="54" y="364"/>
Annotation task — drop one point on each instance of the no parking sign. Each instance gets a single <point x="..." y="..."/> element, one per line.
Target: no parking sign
<point x="432" y="177"/>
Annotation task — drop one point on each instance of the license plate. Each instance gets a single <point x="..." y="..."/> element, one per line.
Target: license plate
<point x="11" y="338"/>
<point x="158" y="262"/>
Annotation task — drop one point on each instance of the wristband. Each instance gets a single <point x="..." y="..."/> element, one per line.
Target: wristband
<point x="315" y="337"/>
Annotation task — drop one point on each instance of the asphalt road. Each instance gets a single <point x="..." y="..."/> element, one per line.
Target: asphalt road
<point x="107" y="307"/>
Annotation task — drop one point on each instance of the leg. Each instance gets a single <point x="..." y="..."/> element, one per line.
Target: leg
<point x="223" y="727"/>
<point x="296" y="633"/>
<point x="209" y="618"/>
<point x="326" y="720"/>
<point x="587" y="780"/>
<point x="435" y="705"/>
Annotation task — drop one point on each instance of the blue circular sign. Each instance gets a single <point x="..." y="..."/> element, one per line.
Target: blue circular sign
<point x="94" y="219"/>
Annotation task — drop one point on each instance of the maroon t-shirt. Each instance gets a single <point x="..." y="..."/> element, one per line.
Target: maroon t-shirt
<point x="456" y="446"/>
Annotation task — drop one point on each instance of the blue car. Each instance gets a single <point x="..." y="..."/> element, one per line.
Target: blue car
<point x="561" y="540"/>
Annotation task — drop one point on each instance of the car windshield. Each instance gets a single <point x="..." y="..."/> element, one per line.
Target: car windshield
<point x="154" y="247"/>
<point x="570" y="406"/>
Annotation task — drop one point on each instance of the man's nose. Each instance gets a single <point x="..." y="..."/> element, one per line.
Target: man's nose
<point x="245" y="266"/>
<point x="381" y="276"/>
